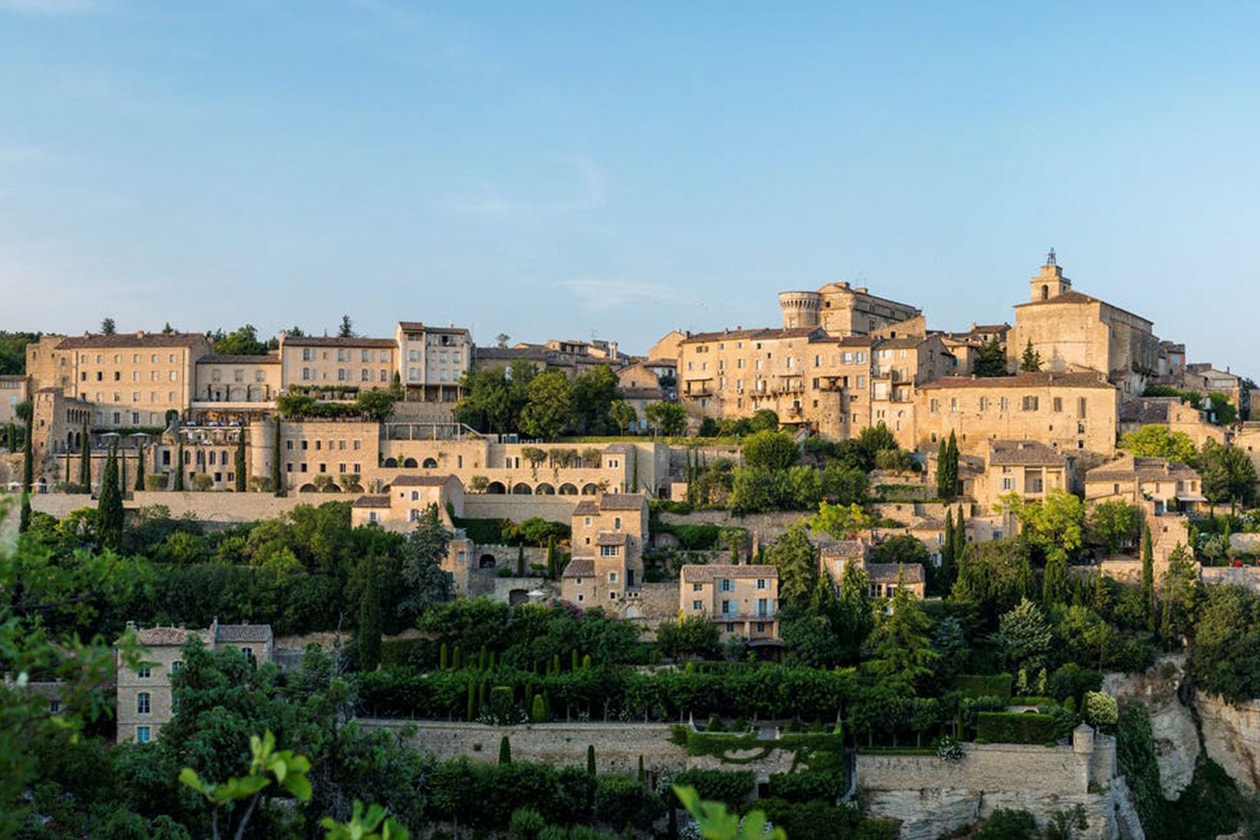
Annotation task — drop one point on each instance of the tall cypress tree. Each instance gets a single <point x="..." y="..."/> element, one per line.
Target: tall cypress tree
<point x="85" y="461"/>
<point x="947" y="468"/>
<point x="27" y="412"/>
<point x="370" y="623"/>
<point x="110" y="506"/>
<point x="1148" y="578"/>
<point x="946" y="574"/>
<point x="122" y="473"/>
<point x="178" y="484"/>
<point x="239" y="464"/>
<point x="140" y="468"/>
<point x="277" y="476"/>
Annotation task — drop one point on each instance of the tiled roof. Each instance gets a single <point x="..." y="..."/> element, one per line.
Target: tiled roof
<point x="234" y="633"/>
<point x="889" y="572"/>
<point x="610" y="538"/>
<point x="212" y="359"/>
<point x="586" y="507"/>
<point x="619" y="447"/>
<point x="1040" y="379"/>
<point x="757" y="333"/>
<point x="828" y="549"/>
<point x="1010" y="453"/>
<point x="372" y="502"/>
<point x="909" y="342"/>
<point x="418" y="326"/>
<point x="579" y="567"/>
<point x="421" y="481"/>
<point x="1145" y="469"/>
<point x="622" y="501"/>
<point x="165" y="636"/>
<point x="311" y="341"/>
<point x="140" y="339"/>
<point x="1078" y="297"/>
<point x="1146" y="410"/>
<point x="692" y="573"/>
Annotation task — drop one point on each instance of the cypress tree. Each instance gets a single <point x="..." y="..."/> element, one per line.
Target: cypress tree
<point x="1054" y="584"/>
<point x="369" y="636"/>
<point x="520" y="561"/>
<point x="277" y="477"/>
<point x="472" y="701"/>
<point x="634" y="469"/>
<point x="85" y="461"/>
<point x="239" y="464"/>
<point x="122" y="474"/>
<point x="551" y="557"/>
<point x="24" y="520"/>
<point x="140" y="468"/>
<point x="110" y="505"/>
<point x="10" y="437"/>
<point x="947" y="468"/>
<point x="590" y="759"/>
<point x="1148" y="578"/>
<point x="505" y="750"/>
<point x="178" y="485"/>
<point x="28" y="454"/>
<point x="67" y="478"/>
<point x="443" y="657"/>
<point x="538" y="710"/>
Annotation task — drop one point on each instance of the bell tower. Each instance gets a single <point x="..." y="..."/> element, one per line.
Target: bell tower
<point x="1050" y="283"/>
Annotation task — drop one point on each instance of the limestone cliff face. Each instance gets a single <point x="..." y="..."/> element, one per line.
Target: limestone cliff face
<point x="927" y="814"/>
<point x="1231" y="736"/>
<point x="1172" y="724"/>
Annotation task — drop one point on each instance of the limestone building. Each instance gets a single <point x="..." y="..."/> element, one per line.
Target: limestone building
<point x="606" y="569"/>
<point x="840" y="309"/>
<point x="432" y="361"/>
<point x="743" y="601"/>
<point x="1168" y="485"/>
<point x="1028" y="468"/>
<point x="1072" y="331"/>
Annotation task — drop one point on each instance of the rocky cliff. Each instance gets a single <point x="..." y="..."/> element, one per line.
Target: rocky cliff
<point x="1172" y="723"/>
<point x="1231" y="736"/>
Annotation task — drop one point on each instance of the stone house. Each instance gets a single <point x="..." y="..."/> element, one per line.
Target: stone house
<point x="1027" y="467"/>
<point x="609" y="533"/>
<point x="742" y="600"/>
<point x="403" y="502"/>
<point x="144" y="697"/>
<point x="884" y="578"/>
<point x="1171" y="412"/>
<point x="1167" y="485"/>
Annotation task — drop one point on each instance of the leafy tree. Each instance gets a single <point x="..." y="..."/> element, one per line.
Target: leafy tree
<point x="1153" y="441"/>
<point x="376" y="404"/>
<point x="797" y="561"/>
<point x="26" y="413"/>
<point x="549" y="405"/>
<point x="693" y="635"/>
<point x="841" y="522"/>
<point x="901" y="654"/>
<point x="1223" y="411"/>
<point x="494" y="398"/>
<point x="990" y="359"/>
<point x="622" y="414"/>
<point x="754" y="489"/>
<point x="1054" y="583"/>
<point x="1148" y="579"/>
<point x="1225" y="655"/>
<point x="843" y="485"/>
<point x="1112" y="525"/>
<point x="1024" y="637"/>
<point x="1031" y="360"/>
<point x="1180" y="594"/>
<point x="108" y="327"/>
<point x="870" y="441"/>
<point x="13" y="351"/>
<point x="1058" y="520"/>
<point x="109" y="522"/>
<point x="763" y="420"/>
<point x="242" y="341"/>
<point x="769" y="450"/>
<point x="594" y="394"/>
<point x="669" y="419"/>
<point x="1228" y="475"/>
<point x="346" y="330"/>
<point x="370" y="623"/>
<point x="423" y="581"/>
<point x="85" y="461"/>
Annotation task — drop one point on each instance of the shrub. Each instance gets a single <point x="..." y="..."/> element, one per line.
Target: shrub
<point x="1101" y="710"/>
<point x="621" y="799"/>
<point x="1011" y="728"/>
<point x="984" y="685"/>
<point x="1008" y="824"/>
<point x="156" y="482"/>
<point x="729" y="786"/>
<point x="202" y="482"/>
<point x="805" y="786"/>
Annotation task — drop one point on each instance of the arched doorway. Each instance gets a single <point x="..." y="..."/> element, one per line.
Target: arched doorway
<point x="522" y="489"/>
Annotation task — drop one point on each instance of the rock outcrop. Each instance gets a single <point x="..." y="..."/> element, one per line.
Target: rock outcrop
<point x="1231" y="736"/>
<point x="1172" y="723"/>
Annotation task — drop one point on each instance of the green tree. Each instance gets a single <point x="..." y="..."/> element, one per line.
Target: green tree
<point x="769" y="450"/>
<point x="139" y="467"/>
<point x="85" y="461"/>
<point x="990" y="359"/>
<point x="109" y="519"/>
<point x="238" y="464"/>
<point x="1025" y="638"/>
<point x="242" y="341"/>
<point x="1228" y="475"/>
<point x="1058" y="520"/>
<point x="900" y="646"/>
<point x="622" y="414"/>
<point x="797" y="561"/>
<point x="424" y="583"/>
<point x="178" y="484"/>
<point x="1112" y="525"/>
<point x="1148" y="579"/>
<point x="376" y="404"/>
<point x="549" y="406"/>
<point x="594" y="394"/>
<point x="1180" y="594"/>
<point x="1222" y="411"/>
<point x="669" y="419"/>
<point x="108" y="327"/>
<point x="1153" y="441"/>
<point x="947" y="469"/>
<point x="1031" y="360"/>
<point x="370" y="621"/>
<point x="763" y="420"/>
<point x="692" y="635"/>
<point x="346" y="328"/>
<point x="840" y="521"/>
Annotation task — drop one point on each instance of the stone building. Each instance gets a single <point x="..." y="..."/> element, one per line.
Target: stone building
<point x="432" y="361"/>
<point x="236" y="388"/>
<point x="1028" y="468"/>
<point x="606" y="569"/>
<point x="1069" y="411"/>
<point x="144" y="698"/>
<point x="1072" y="331"/>
<point x="743" y="601"/>
<point x="1173" y="413"/>
<point x="834" y="556"/>
<point x="402" y="503"/>
<point x="1167" y="485"/>
<point x="13" y="390"/>
<point x="841" y="309"/>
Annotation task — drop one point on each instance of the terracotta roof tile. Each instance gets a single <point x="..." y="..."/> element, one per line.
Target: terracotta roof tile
<point x="694" y="573"/>
<point x="1041" y="379"/>
<point x="579" y="567"/>
<point x="889" y="572"/>
<point x="622" y="501"/>
<point x="1011" y="453"/>
<point x="372" y="502"/>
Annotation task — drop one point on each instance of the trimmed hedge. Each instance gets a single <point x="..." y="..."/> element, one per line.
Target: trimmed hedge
<point x="729" y="786"/>
<point x="417" y="654"/>
<point x="806" y="786"/>
<point x="1015" y="728"/>
<point x="985" y="685"/>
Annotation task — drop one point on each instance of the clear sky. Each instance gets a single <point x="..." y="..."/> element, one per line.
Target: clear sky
<point x="560" y="170"/>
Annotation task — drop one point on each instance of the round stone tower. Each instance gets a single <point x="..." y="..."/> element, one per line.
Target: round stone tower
<point x="262" y="447"/>
<point x="800" y="309"/>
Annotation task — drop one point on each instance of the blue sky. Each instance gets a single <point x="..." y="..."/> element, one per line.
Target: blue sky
<point x="554" y="169"/>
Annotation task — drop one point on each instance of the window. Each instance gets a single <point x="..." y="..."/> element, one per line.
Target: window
<point x="1080" y="407"/>
<point x="953" y="404"/>
<point x="308" y="355"/>
<point x="144" y="672"/>
<point x="249" y="654"/>
<point x="934" y="405"/>
<point x="984" y="403"/>
<point x="143" y="703"/>
<point x="1058" y="404"/>
<point x="697" y="605"/>
<point x="1029" y="403"/>
<point x="143" y="734"/>
<point x="730" y="628"/>
<point x="761" y="583"/>
<point x="608" y="551"/>
<point x="697" y="587"/>
<point x="365" y="356"/>
<point x="726" y="585"/>
<point x="1004" y="404"/>
<point x="726" y="608"/>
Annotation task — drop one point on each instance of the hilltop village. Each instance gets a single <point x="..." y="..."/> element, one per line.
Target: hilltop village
<point x="868" y="578"/>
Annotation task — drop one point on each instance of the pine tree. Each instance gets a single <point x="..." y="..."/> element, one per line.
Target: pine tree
<point x="1031" y="361"/>
<point x="85" y="461"/>
<point x="1148" y="578"/>
<point x="110" y="505"/>
<point x="239" y="464"/>
<point x="178" y="484"/>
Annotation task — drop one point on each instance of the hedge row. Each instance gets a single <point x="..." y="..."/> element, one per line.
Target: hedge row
<point x="729" y="786"/>
<point x="767" y="691"/>
<point x="1015" y="728"/>
<point x="984" y="685"/>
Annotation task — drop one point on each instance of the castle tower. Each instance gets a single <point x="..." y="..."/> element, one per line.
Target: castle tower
<point x="1050" y="283"/>
<point x="800" y="309"/>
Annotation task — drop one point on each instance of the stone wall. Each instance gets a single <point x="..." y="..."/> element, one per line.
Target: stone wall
<point x="931" y="814"/>
<point x="1247" y="576"/>
<point x="1050" y="770"/>
<point x="519" y="508"/>
<point x="226" y="508"/>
